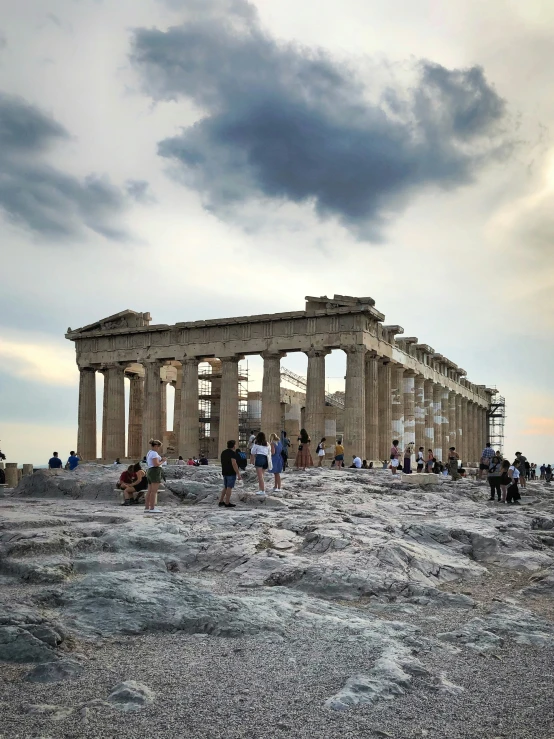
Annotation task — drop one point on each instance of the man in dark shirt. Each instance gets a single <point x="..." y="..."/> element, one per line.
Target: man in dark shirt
<point x="230" y="472"/>
<point x="54" y="463"/>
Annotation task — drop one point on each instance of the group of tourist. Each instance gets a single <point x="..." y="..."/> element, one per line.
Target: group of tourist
<point x="504" y="478"/>
<point x="55" y="463"/>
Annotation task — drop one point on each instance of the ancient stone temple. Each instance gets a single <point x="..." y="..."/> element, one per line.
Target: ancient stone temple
<point x="396" y="387"/>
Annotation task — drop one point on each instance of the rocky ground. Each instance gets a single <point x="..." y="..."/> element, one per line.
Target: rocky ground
<point x="352" y="605"/>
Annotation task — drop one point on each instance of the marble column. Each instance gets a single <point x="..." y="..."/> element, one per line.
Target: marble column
<point x="465" y="432"/>
<point x="452" y="422"/>
<point x="86" y="434"/>
<point x="189" y="424"/>
<point x="229" y="406"/>
<point x="371" y="407"/>
<point x="420" y="414"/>
<point x="437" y="422"/>
<point x="385" y="409"/>
<point x="114" y="394"/>
<point x="472" y="454"/>
<point x="152" y="416"/>
<point x="397" y="395"/>
<point x="354" y="402"/>
<point x="104" y="373"/>
<point x="477" y="429"/>
<point x="271" y="393"/>
<point x="178" y="384"/>
<point x="429" y="417"/>
<point x="315" y="394"/>
<point x="136" y="409"/>
<point x="163" y="407"/>
<point x="408" y="391"/>
<point x="460" y="441"/>
<point x="445" y="437"/>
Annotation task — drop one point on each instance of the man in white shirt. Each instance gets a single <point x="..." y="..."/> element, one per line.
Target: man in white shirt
<point x="356" y="462"/>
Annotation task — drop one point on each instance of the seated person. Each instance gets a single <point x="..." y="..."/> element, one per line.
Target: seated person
<point x="356" y="462"/>
<point x="133" y="482"/>
<point x="190" y="462"/>
<point x="204" y="460"/>
<point x="364" y="465"/>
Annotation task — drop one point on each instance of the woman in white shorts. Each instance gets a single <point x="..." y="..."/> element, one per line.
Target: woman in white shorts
<point x="320" y="451"/>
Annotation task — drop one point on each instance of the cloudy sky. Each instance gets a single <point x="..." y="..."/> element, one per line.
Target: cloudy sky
<point x="207" y="158"/>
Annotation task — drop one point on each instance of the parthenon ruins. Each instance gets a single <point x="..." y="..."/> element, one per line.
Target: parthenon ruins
<point x="395" y="387"/>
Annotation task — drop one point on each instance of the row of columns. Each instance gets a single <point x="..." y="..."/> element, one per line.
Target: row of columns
<point x="383" y="401"/>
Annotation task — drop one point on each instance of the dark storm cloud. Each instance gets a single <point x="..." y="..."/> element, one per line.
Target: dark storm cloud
<point x="288" y="123"/>
<point x="40" y="197"/>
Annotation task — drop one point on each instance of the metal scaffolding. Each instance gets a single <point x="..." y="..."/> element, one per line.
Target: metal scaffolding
<point x="299" y="381"/>
<point x="496" y="416"/>
<point x="209" y="401"/>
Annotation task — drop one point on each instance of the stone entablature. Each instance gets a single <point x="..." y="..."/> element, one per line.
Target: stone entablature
<point x="395" y="386"/>
<point x="297" y="331"/>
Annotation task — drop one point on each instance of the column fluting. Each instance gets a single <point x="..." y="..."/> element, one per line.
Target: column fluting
<point x="460" y="441"/>
<point x="452" y="422"/>
<point x="271" y="393"/>
<point x="371" y="407"/>
<point x="152" y="416"/>
<point x="397" y="395"/>
<point x="354" y="402"/>
<point x="429" y="418"/>
<point x="114" y="392"/>
<point x="189" y="424"/>
<point x="86" y="434"/>
<point x="437" y="421"/>
<point x="385" y="409"/>
<point x="315" y="394"/>
<point x="408" y="391"/>
<point x="420" y="413"/>
<point x="136" y="409"/>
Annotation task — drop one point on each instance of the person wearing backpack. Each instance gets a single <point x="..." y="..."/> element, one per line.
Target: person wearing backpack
<point x="320" y="451"/>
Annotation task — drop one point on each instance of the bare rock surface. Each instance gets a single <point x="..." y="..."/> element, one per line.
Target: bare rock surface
<point x="310" y="612"/>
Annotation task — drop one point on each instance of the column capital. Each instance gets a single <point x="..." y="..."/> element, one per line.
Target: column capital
<point x="269" y="354"/>
<point x="354" y="349"/>
<point x="234" y="358"/>
<point x="87" y="368"/>
<point x="313" y="352"/>
<point x="189" y="360"/>
<point x="152" y="362"/>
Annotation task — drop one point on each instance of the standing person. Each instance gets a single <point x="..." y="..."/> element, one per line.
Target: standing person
<point x="420" y="460"/>
<point x="276" y="461"/>
<point x="430" y="460"/>
<point x="339" y="454"/>
<point x="543" y="470"/>
<point x="515" y="476"/>
<point x="408" y="459"/>
<point x="548" y="474"/>
<point x="260" y="456"/>
<point x="181" y="460"/>
<point x="486" y="456"/>
<point x="521" y="469"/>
<point x="320" y="451"/>
<point x="55" y="463"/>
<point x="494" y="478"/>
<point x="304" y="455"/>
<point x="527" y="470"/>
<point x="394" y="456"/>
<point x="285" y="441"/>
<point x="230" y="471"/>
<point x="504" y="479"/>
<point x="73" y="461"/>
<point x="453" y="458"/>
<point x="251" y="441"/>
<point x="154" y="475"/>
